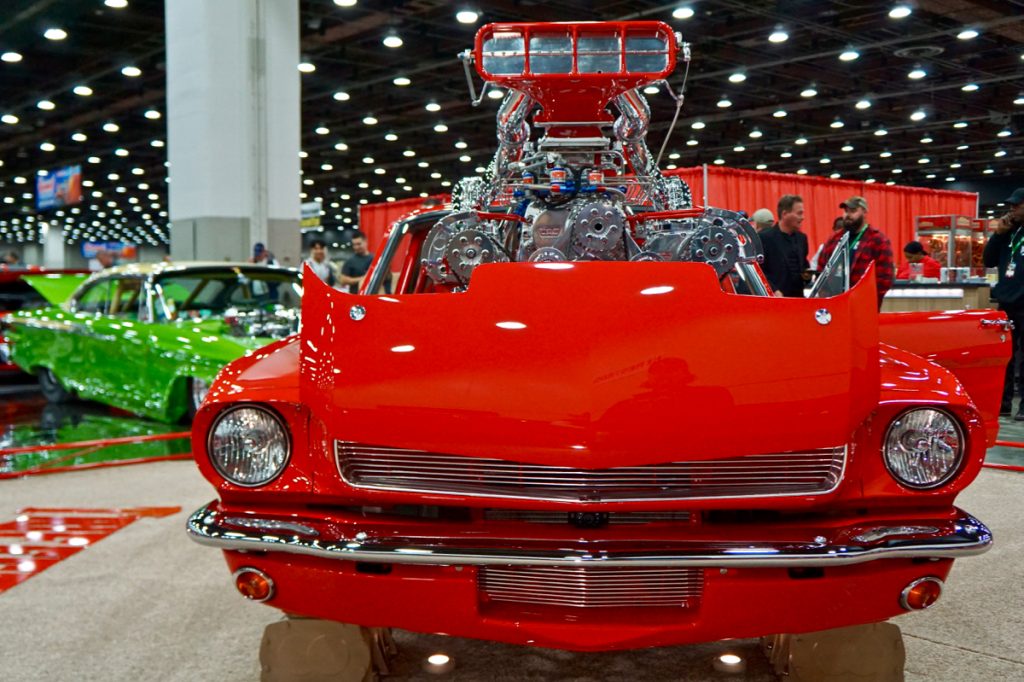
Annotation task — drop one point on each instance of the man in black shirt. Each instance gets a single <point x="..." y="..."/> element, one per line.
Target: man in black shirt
<point x="1005" y="250"/>
<point x="785" y="249"/>
<point x="354" y="269"/>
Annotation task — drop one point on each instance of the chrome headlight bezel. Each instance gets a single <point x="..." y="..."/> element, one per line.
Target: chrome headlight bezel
<point x="280" y="423"/>
<point x="949" y="474"/>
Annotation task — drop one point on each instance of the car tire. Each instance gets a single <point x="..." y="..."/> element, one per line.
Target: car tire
<point x="50" y="386"/>
<point x="197" y="390"/>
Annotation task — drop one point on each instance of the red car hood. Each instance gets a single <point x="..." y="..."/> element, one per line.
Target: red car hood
<point x="590" y="365"/>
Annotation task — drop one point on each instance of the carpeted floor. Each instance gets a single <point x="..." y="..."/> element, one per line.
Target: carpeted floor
<point x="148" y="604"/>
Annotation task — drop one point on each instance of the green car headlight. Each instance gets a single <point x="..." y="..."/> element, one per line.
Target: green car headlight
<point x="249" y="445"/>
<point x="923" y="448"/>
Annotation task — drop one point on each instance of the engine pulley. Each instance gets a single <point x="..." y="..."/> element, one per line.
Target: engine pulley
<point x="597" y="228"/>
<point x="470" y="249"/>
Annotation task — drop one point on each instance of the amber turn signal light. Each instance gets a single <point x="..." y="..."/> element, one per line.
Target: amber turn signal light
<point x="921" y="593"/>
<point x="254" y="584"/>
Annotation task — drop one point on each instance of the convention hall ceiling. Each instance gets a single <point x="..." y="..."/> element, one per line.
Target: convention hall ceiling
<point x="852" y="88"/>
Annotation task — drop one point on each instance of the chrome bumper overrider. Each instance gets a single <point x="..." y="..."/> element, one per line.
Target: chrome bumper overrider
<point x="946" y="538"/>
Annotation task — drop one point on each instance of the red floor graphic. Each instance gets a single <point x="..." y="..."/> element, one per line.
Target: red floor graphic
<point x="39" y="538"/>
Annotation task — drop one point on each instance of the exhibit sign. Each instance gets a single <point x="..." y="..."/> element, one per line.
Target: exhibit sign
<point x="311" y="212"/>
<point x="61" y="187"/>
<point x="121" y="250"/>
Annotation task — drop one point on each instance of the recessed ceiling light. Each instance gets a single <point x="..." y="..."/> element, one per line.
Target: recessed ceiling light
<point x="988" y="171"/>
<point x="156" y="143"/>
<point x="779" y="113"/>
<point x="152" y="114"/>
<point x="785" y="155"/>
<point x="755" y="133"/>
<point x="409" y="153"/>
<point x="863" y="104"/>
<point x="370" y="120"/>
<point x="111" y="127"/>
<point x="1019" y="101"/>
<point x="465" y="158"/>
<point x="834" y="176"/>
<point x="724" y="103"/>
<point x="900" y="12"/>
<point x="433" y="106"/>
<point x="495" y="93"/>
<point x="79" y="137"/>
<point x="55" y="34"/>
<point x="847" y="147"/>
<point x="116" y="4"/>
<point x="131" y="71"/>
<point x="970" y="87"/>
<point x="82" y="90"/>
<point x="886" y="154"/>
<point x="461" y="144"/>
<point x="682" y="13"/>
<point x="926" y="140"/>
<point x="401" y="81"/>
<point x="951" y="179"/>
<point x="802" y="171"/>
<point x="392" y="40"/>
<point x="46" y="105"/>
<point x="923" y="160"/>
<point x="824" y="160"/>
<point x="809" y="92"/>
<point x="341" y="96"/>
<point x="698" y="125"/>
<point x="836" y="124"/>
<point x="800" y="140"/>
<point x="649" y="90"/>
<point x="918" y="115"/>
<point x="897" y="171"/>
<point x="11" y="57"/>
<point x="466" y="16"/>
<point x="917" y="74"/>
<point x="967" y="34"/>
<point x="692" y="142"/>
<point x="960" y="124"/>
<point x="719" y="161"/>
<point x="739" y="148"/>
<point x="307" y="67"/>
<point x="121" y="152"/>
<point x="849" y="55"/>
<point x="962" y="147"/>
<point x="9" y="119"/>
<point x="761" y="166"/>
<point x="345" y="3"/>
<point x="955" y="165"/>
<point x="881" y="132"/>
<point x="391" y="137"/>
<point x="1004" y="133"/>
<point x="778" y="36"/>
<point x="864" y="166"/>
<point x="47" y="146"/>
<point x="737" y="77"/>
<point x="440" y="128"/>
<point x="322" y="130"/>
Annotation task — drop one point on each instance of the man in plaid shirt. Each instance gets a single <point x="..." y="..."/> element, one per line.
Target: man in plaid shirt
<point x="866" y="245"/>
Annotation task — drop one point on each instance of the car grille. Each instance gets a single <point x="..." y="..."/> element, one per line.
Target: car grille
<point x="786" y="473"/>
<point x="592" y="587"/>
<point x="613" y="518"/>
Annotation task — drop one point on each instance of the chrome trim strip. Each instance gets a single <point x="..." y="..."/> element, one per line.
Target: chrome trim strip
<point x="207" y="526"/>
<point x="590" y="491"/>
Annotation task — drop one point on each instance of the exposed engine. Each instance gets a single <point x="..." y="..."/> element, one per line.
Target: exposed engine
<point x="583" y="191"/>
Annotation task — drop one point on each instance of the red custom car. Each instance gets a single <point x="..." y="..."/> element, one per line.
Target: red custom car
<point x="582" y="421"/>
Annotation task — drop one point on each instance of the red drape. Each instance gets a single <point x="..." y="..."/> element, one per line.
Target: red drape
<point x="892" y="208"/>
<point x="376" y="219"/>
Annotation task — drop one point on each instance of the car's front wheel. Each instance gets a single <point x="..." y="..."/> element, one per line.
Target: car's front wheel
<point x="51" y="387"/>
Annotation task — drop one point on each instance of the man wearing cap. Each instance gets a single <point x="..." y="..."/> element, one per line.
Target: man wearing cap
<point x="785" y="249"/>
<point x="260" y="254"/>
<point x="913" y="254"/>
<point x="867" y="245"/>
<point x="1005" y="251"/>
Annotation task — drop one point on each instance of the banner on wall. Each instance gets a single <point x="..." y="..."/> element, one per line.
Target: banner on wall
<point x="61" y="187"/>
<point x="121" y="250"/>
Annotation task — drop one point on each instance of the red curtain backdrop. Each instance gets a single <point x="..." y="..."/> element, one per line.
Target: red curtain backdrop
<point x="892" y="208"/>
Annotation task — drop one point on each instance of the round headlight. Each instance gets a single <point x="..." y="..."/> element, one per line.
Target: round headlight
<point x="249" y="445"/>
<point x="923" y="448"/>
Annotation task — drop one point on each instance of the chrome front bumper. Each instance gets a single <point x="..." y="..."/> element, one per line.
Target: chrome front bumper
<point x="947" y="538"/>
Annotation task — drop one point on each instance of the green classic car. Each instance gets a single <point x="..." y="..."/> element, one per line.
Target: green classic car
<point x="150" y="338"/>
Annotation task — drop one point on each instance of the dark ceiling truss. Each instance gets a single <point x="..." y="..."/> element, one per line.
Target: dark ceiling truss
<point x="728" y="36"/>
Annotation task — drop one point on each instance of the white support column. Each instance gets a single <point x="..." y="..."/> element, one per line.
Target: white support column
<point x="233" y="128"/>
<point x="53" y="245"/>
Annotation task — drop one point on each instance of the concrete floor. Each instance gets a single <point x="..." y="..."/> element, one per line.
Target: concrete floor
<point x="146" y="603"/>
